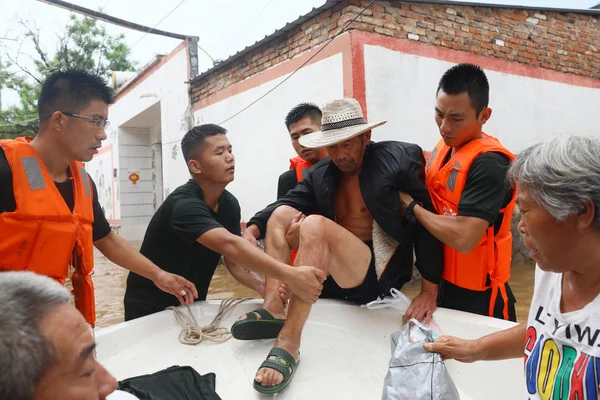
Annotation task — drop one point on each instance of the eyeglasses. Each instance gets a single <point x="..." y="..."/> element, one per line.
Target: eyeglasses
<point x="99" y="122"/>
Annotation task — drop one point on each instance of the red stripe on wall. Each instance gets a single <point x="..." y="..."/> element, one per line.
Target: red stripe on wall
<point x="358" y="73"/>
<point x="454" y="56"/>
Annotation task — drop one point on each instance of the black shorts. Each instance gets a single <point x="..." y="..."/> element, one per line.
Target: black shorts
<point x="361" y="294"/>
<point x="457" y="298"/>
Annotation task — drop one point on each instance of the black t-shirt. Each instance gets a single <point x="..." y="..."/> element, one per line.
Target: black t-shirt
<point x="486" y="192"/>
<point x="100" y="227"/>
<point x="287" y="181"/>
<point x="171" y="243"/>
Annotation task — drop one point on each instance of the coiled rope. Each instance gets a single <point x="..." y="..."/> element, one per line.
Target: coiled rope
<point x="193" y="334"/>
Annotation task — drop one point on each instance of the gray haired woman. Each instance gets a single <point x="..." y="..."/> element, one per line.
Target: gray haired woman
<point x="558" y="193"/>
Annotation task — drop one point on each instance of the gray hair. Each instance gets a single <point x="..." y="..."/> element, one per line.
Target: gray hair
<point x="25" y="353"/>
<point x="561" y="175"/>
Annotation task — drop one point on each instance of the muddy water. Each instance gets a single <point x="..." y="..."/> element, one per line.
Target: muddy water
<point x="109" y="281"/>
<point x="109" y="284"/>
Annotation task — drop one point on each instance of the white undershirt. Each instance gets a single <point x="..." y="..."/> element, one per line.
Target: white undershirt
<point x="562" y="350"/>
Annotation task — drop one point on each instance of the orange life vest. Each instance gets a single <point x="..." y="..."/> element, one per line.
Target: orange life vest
<point x="299" y="164"/>
<point x="42" y="235"/>
<point x="492" y="257"/>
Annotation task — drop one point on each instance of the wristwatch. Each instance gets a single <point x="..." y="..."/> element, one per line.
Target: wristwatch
<point x="410" y="214"/>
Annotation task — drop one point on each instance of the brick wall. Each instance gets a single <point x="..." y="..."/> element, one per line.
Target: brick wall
<point x="565" y="42"/>
<point x="309" y="35"/>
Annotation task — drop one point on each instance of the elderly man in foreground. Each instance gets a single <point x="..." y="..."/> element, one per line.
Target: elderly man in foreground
<point x="359" y="237"/>
<point x="46" y="346"/>
<point x="558" y="193"/>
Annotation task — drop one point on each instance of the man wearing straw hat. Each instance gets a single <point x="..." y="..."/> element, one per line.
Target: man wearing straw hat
<point x="360" y="238"/>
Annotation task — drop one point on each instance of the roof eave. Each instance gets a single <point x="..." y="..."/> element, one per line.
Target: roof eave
<point x="331" y="3"/>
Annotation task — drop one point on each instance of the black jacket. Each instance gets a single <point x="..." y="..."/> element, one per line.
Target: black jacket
<point x="388" y="168"/>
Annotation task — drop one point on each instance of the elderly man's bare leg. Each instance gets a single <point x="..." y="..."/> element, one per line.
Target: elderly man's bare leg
<point x="340" y="254"/>
<point x="277" y="246"/>
<point x="273" y="309"/>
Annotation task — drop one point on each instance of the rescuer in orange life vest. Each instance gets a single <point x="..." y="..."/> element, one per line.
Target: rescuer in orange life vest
<point x="303" y="119"/>
<point x="50" y="217"/>
<point x="466" y="178"/>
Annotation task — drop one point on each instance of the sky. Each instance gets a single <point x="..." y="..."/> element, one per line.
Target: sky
<point x="223" y="26"/>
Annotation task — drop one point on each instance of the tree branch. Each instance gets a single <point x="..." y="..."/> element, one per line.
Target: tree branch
<point x="15" y="62"/>
<point x="101" y="50"/>
<point x="11" y="128"/>
<point x="63" y="47"/>
<point x="35" y="38"/>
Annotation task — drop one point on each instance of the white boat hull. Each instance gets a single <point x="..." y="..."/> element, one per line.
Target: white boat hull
<point x="344" y="354"/>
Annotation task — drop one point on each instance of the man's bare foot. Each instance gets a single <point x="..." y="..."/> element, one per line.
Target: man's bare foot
<point x="270" y="377"/>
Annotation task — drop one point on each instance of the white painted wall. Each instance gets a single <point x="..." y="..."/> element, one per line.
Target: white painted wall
<point x="157" y="181"/>
<point x="137" y="196"/>
<point x="259" y="136"/>
<point x="101" y="171"/>
<point x="401" y="88"/>
<point x="164" y="88"/>
<point x="156" y="161"/>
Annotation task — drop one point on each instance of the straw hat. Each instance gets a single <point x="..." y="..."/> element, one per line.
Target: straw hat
<point x="342" y="120"/>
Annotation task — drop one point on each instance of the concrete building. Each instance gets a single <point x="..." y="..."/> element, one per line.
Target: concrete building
<point x="543" y="66"/>
<point x="152" y="110"/>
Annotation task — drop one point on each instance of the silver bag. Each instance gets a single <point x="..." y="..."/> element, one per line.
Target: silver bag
<point x="414" y="373"/>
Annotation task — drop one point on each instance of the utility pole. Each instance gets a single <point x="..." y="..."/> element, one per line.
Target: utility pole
<point x="193" y="40"/>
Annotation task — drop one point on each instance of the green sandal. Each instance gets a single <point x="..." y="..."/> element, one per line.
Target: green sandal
<point x="282" y="364"/>
<point x="253" y="328"/>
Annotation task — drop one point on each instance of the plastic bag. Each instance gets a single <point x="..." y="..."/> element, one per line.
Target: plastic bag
<point x="399" y="301"/>
<point x="414" y="373"/>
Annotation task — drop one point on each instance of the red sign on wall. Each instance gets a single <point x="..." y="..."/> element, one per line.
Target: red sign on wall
<point x="134" y="177"/>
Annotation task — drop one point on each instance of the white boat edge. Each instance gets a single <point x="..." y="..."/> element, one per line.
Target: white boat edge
<point x="344" y="354"/>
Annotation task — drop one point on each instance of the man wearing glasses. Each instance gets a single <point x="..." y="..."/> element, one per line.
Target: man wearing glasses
<point x="98" y="121"/>
<point x="50" y="217"/>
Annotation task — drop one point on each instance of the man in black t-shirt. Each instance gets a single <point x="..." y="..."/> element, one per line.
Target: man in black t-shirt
<point x="199" y="222"/>
<point x="461" y="111"/>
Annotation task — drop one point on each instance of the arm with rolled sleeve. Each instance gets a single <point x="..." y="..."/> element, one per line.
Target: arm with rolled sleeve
<point x="429" y="250"/>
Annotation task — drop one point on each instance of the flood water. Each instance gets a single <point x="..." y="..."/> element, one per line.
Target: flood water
<point x="109" y="282"/>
